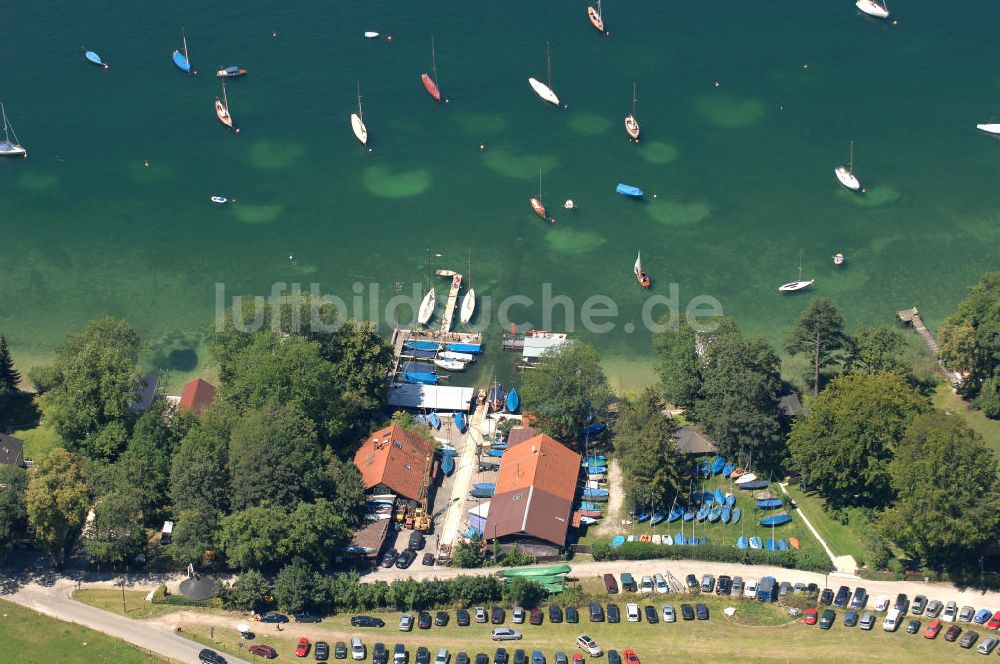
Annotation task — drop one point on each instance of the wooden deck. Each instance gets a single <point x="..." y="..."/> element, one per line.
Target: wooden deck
<point x="449" y="310"/>
<point x="912" y="317"/>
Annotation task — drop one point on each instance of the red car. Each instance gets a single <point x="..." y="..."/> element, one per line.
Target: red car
<point x="810" y="617"/>
<point x="933" y="629"/>
<point x="577" y="658"/>
<point x="952" y="633"/>
<point x="302" y="649"/>
<point x="631" y="657"/>
<point x="267" y="652"/>
<point x="994" y="622"/>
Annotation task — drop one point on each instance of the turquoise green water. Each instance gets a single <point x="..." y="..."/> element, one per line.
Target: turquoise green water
<point x="742" y="171"/>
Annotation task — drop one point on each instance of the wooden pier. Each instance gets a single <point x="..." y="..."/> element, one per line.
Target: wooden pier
<point x="449" y="310"/>
<point x="912" y="317"/>
<point x="402" y="335"/>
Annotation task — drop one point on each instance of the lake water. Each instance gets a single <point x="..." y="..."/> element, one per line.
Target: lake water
<point x="746" y="108"/>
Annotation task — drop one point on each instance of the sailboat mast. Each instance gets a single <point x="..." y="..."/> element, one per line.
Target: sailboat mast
<point x="6" y="135"/>
<point x="634" y="98"/>
<point x="361" y="113"/>
<point x="434" y="61"/>
<point x="225" y="99"/>
<point x="184" y="39"/>
<point x="548" y="59"/>
<point x="539" y="183"/>
<point x="470" y="269"/>
<point x="850" y="162"/>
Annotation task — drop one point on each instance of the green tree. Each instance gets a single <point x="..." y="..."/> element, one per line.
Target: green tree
<point x="249" y="592"/>
<point x="566" y="389"/>
<point x="56" y="501"/>
<point x="988" y="399"/>
<point x="199" y="476"/>
<point x="116" y="534"/>
<point x="819" y="334"/>
<point x="876" y="350"/>
<point x="645" y="445"/>
<point x="361" y="360"/>
<point x="679" y="366"/>
<point x="144" y="466"/>
<point x="468" y="554"/>
<point x="98" y="381"/>
<point x="194" y="537"/>
<point x="9" y="376"/>
<point x="316" y="532"/>
<point x="970" y="338"/>
<point x="348" y="497"/>
<point x="255" y="537"/>
<point x="947" y="489"/>
<point x="13" y="511"/>
<point x="523" y="592"/>
<point x="274" y="455"/>
<point x="844" y="447"/>
<point x="293" y="587"/>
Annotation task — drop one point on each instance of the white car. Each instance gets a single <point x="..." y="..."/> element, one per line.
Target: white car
<point x="632" y="612"/>
<point x="517" y="615"/>
<point x="646" y="586"/>
<point x="589" y="645"/>
<point x="750" y="589"/>
<point x="882" y="603"/>
<point x="406" y="622"/>
<point x="480" y="613"/>
<point x="661" y="584"/>
<point x="950" y="612"/>
<point x="442" y="656"/>
<point x="357" y="649"/>
<point x="668" y="614"/>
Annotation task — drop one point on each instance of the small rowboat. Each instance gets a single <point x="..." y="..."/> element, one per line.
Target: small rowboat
<point x="745" y="477"/>
<point x="230" y="72"/>
<point x="221" y="200"/>
<point x="596" y="19"/>
<point x="838" y="259"/>
<point x="372" y="35"/>
<point x="96" y="59"/>
<point x="794" y="543"/>
<point x="628" y="190"/>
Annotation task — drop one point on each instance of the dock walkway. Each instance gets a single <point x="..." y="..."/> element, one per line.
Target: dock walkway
<point x="449" y="310"/>
<point x="912" y="317"/>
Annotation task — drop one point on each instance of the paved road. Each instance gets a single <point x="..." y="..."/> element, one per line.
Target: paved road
<point x="55" y="601"/>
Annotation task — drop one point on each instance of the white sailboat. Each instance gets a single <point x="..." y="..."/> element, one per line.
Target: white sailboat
<point x="990" y="128"/>
<point x="541" y="89"/>
<point x="793" y="286"/>
<point x="426" y="310"/>
<point x="631" y="124"/>
<point x="846" y="175"/>
<point x="10" y="148"/>
<point x="222" y="108"/>
<point x="455" y="355"/>
<point x="449" y="365"/>
<point x="358" y="121"/>
<point x="875" y="8"/>
<point x="469" y="301"/>
<point x="640" y="274"/>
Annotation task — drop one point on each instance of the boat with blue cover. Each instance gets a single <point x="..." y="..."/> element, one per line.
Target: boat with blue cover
<point x="754" y="485"/>
<point x="782" y="545"/>
<point x="714" y="514"/>
<point x="730" y="499"/>
<point x="742" y="543"/>
<point x="481" y="493"/>
<point x="768" y="503"/>
<point x="448" y="465"/>
<point x="642" y="516"/>
<point x="597" y="470"/>
<point x="513" y="401"/>
<point x="434" y="420"/>
<point x="688" y="515"/>
<point x="703" y="513"/>
<point x="475" y="349"/>
<point x="181" y="59"/>
<point x="658" y="516"/>
<point x="493" y="452"/>
<point x="718" y="463"/>
<point x="727" y="514"/>
<point x="778" y="519"/>
<point x="485" y="485"/>
<point x="595" y="459"/>
<point x="422" y="345"/>
<point x="755" y="542"/>
<point x="459" y="421"/>
<point x="420" y="377"/>
<point x="594" y="494"/>
<point x="449" y="452"/>
<point x="705" y="469"/>
<point x="675" y="514"/>
<point x="628" y="190"/>
<point x="728" y="469"/>
<point x="617" y="540"/>
<point x="593" y="429"/>
<point x="737" y="513"/>
<point x="496" y="397"/>
<point x="771" y="545"/>
<point x="719" y="498"/>
<point x="679" y="539"/>
<point x="590" y="505"/>
<point x="96" y="59"/>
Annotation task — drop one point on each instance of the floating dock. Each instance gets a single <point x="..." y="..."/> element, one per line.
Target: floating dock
<point x="449" y="310"/>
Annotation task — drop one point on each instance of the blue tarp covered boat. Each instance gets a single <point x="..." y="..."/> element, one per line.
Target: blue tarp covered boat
<point x="705" y="469"/>
<point x="594" y="459"/>
<point x="420" y="377"/>
<point x="495" y="452"/>
<point x="755" y="543"/>
<point x="679" y="539"/>
<point x="596" y="470"/>
<point x="459" y="421"/>
<point x="424" y="354"/>
<point x="595" y="493"/>
<point x="719" y="498"/>
<point x="449" y="452"/>
<point x="728" y="468"/>
<point x="779" y="519"/>
<point x="448" y="465"/>
<point x="771" y="545"/>
<point x="657" y="517"/>
<point x="782" y="545"/>
<point x="628" y="190"/>
<point x="730" y="499"/>
<point x="513" y="401"/>
<point x="434" y="420"/>
<point x="675" y="514"/>
<point x="466" y="348"/>
<point x="753" y="486"/>
<point x="481" y="493"/>
<point x="642" y="516"/>
<point x="591" y="506"/>
<point x="422" y="345"/>
<point x="617" y="540"/>
<point x="737" y="513"/>
<point x="703" y="513"/>
<point x="593" y="429"/>
<point x="718" y="463"/>
<point x="742" y="543"/>
<point x="714" y="514"/>
<point x="688" y="515"/>
<point x="768" y="503"/>
<point x="485" y="485"/>
<point x="727" y="514"/>
<point x="96" y="59"/>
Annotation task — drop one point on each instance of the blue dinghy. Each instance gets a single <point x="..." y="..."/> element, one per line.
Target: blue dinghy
<point x="727" y="514"/>
<point x="422" y="345"/>
<point x="617" y="540"/>
<point x="593" y="429"/>
<point x="753" y="486"/>
<point x="513" y="401"/>
<point x="730" y="500"/>
<point x="596" y="493"/>
<point x="460" y="421"/>
<point x="718" y="463"/>
<point x="675" y="514"/>
<point x="703" y="513"/>
<point x="628" y="190"/>
<point x="728" y="469"/>
<point x="714" y="514"/>
<point x="755" y="543"/>
<point x="688" y="515"/>
<point x="719" y="498"/>
<point x="466" y="348"/>
<point x="741" y="543"/>
<point x="768" y="503"/>
<point x="642" y="516"/>
<point x="596" y="470"/>
<point x="493" y="452"/>
<point x="434" y="420"/>
<point x="679" y="539"/>
<point x="771" y="545"/>
<point x="658" y="516"/>
<point x="594" y="459"/>
<point x="705" y="469"/>
<point x="779" y="519"/>
<point x="782" y="545"/>
<point x="420" y="377"/>
<point x="591" y="506"/>
<point x="448" y="465"/>
<point x="96" y="59"/>
<point x="737" y="513"/>
<point x="485" y="485"/>
<point x="481" y="493"/>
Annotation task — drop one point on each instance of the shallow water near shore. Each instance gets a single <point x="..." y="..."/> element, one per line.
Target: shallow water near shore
<point x="745" y="113"/>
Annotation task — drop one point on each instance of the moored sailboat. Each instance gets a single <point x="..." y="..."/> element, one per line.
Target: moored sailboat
<point x="431" y="84"/>
<point x="95" y="58"/>
<point x="231" y="72"/>
<point x="846" y="175"/>
<point x="989" y="128"/>
<point x="790" y="287"/>
<point x="596" y="16"/>
<point x="544" y="91"/>
<point x="358" y="121"/>
<point x="182" y="60"/>
<point x="469" y="301"/>
<point x="874" y="8"/>
<point x="9" y="148"/>
<point x="640" y="274"/>
<point x="222" y="108"/>
<point x="536" y="203"/>
<point x="631" y="124"/>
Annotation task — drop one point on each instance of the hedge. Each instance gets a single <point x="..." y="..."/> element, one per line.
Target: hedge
<point x="804" y="560"/>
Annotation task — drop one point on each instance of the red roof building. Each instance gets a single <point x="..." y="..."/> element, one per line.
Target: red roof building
<point x="533" y="501"/>
<point x="393" y="460"/>
<point x="197" y="396"/>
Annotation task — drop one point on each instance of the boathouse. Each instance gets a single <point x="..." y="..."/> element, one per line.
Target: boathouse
<point x="197" y="396"/>
<point x="692" y="442"/>
<point x="396" y="461"/>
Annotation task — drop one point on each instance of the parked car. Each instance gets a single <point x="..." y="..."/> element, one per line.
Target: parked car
<point x="952" y="633"/>
<point x="596" y="612"/>
<point x="867" y="621"/>
<point x="827" y="619"/>
<point x="424" y="620"/>
<point x="982" y="615"/>
<point x="692" y="582"/>
<point x="441" y="618"/>
<point x="207" y="656"/>
<point x="610" y="584"/>
<point x="919" y="605"/>
<point x="613" y="657"/>
<point x="968" y="640"/>
<point x="505" y="634"/>
<point x="535" y="617"/>
<point x="668" y="614"/>
<point x="379" y="654"/>
<point x="687" y="613"/>
<point x="994" y="622"/>
<point x="966" y="614"/>
<point x="632" y="612"/>
<point x="932" y="630"/>
<point x="462" y="618"/>
<point x="784" y="589"/>
<point x="799" y="588"/>
<point x="950" y="612"/>
<point x="517" y="616"/>
<point x="902" y="603"/>
<point x="701" y="611"/>
<point x="737" y="588"/>
<point x="651" y="616"/>
<point x="572" y="616"/>
<point x="537" y="657"/>
<point x="560" y="658"/>
<point x="842" y="598"/>
<point x="442" y="656"/>
<point x="707" y="583"/>
<point x="274" y="617"/>
<point x="500" y="656"/>
<point x="851" y="618"/>
<point x="340" y="650"/>
<point x="480" y="613"/>
<point x="987" y="645"/>
<point x="261" y="650"/>
<point x="812" y="590"/>
<point x="826" y="597"/>
<point x="577" y="658"/>
<point x="628" y="582"/>
<point x="389" y="558"/>
<point x="750" y="589"/>
<point x="400" y="655"/>
<point x="913" y="626"/>
<point x="810" y="616"/>
<point x="520" y="657"/>
<point x="367" y="621"/>
<point x="723" y="585"/>
<point x="881" y="603"/>
<point x="555" y="614"/>
<point x="406" y="559"/>
<point x="934" y="608"/>
<point x="305" y="617"/>
<point x="589" y="645"/>
<point x="302" y="649"/>
<point x="417" y="541"/>
<point x="646" y="585"/>
<point x="321" y="651"/>
<point x="660" y="584"/>
<point x="614" y="613"/>
<point x="423" y="656"/>
<point x="462" y="657"/>
<point x="860" y="598"/>
<point x="497" y="615"/>
<point x="630" y="656"/>
<point x="406" y="622"/>
<point x="892" y="620"/>
<point x="427" y="560"/>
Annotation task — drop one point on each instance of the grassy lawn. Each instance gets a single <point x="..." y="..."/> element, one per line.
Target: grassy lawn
<point x="757" y="633"/>
<point x="136" y="606"/>
<point x="31" y="638"/>
<point x="840" y="538"/>
<point x="950" y="402"/>
<point x="38" y="440"/>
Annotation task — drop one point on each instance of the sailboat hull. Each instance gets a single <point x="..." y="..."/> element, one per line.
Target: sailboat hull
<point x="989" y="128"/>
<point x="431" y="86"/>
<point x="426" y="308"/>
<point x="543" y="91"/>
<point x="632" y="127"/>
<point x="847" y="178"/>
<point x="468" y="307"/>
<point x="359" y="129"/>
<point x="791" y="287"/>
<point x="596" y="19"/>
<point x="182" y="62"/>
<point x="538" y="208"/>
<point x="12" y="150"/>
<point x="872" y="8"/>
<point x="222" y="113"/>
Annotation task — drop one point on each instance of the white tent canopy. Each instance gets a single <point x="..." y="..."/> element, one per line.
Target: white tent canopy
<point x="431" y="397"/>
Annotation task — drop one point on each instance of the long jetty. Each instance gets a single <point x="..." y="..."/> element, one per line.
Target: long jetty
<point x="449" y="310"/>
<point x="912" y="317"/>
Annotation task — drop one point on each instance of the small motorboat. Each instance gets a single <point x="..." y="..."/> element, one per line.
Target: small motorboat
<point x="372" y="35"/>
<point x="593" y="514"/>
<point x="427" y="307"/>
<point x="845" y="174"/>
<point x="874" y="8"/>
<point x="221" y="200"/>
<point x="737" y="473"/>
<point x="596" y="17"/>
<point x="838" y="259"/>
<point x="793" y="286"/>
<point x="513" y="401"/>
<point x="95" y="58"/>
<point x="182" y="60"/>
<point x="231" y="72"/>
<point x="569" y="204"/>
<point x="420" y="377"/>
<point x="989" y="128"/>
<point x="587" y="520"/>
<point x="640" y="274"/>
<point x="628" y="190"/>
<point x="449" y="365"/>
<point x="538" y="208"/>
<point x="452" y="355"/>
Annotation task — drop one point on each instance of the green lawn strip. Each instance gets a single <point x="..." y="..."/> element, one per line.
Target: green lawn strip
<point x="31" y="638"/>
<point x="989" y="429"/>
<point x="771" y="636"/>
<point x="38" y="440"/>
<point x="841" y="539"/>
<point x="136" y="606"/>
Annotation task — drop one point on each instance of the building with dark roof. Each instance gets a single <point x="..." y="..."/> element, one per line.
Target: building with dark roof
<point x="394" y="460"/>
<point x="692" y="441"/>
<point x="197" y="396"/>
<point x="144" y="401"/>
<point x="11" y="451"/>
<point x="533" y="501"/>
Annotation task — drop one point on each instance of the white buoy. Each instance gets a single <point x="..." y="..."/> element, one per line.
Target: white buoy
<point x="569" y="204"/>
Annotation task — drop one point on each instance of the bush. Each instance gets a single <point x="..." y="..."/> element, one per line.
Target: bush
<point x="523" y="592"/>
<point x="160" y="595"/>
<point x="811" y="561"/>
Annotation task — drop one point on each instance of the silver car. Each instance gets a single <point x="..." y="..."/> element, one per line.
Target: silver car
<point x="737" y="588"/>
<point x="406" y="622"/>
<point x="668" y="614"/>
<point x="867" y="621"/>
<point x="505" y="634"/>
<point x="357" y="649"/>
<point x="950" y="612"/>
<point x="987" y="645"/>
<point x="517" y="615"/>
<point x="966" y="614"/>
<point x="934" y="608"/>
